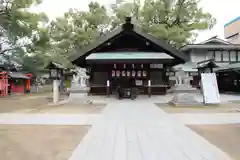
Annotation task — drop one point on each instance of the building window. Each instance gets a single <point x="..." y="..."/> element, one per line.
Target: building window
<point x="210" y="55"/>
<point x="218" y="56"/>
<point x="233" y="56"/>
<point x="238" y="54"/>
<point x="225" y="55"/>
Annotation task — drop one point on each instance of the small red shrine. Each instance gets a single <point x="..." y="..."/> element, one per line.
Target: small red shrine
<point x="12" y="82"/>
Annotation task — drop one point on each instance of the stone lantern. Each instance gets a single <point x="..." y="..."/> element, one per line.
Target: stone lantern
<point x="55" y="73"/>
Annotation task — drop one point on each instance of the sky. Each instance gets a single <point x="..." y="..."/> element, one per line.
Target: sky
<point x="223" y="10"/>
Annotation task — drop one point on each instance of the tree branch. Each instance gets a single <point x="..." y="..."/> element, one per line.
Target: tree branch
<point x="11" y="49"/>
<point x="177" y="20"/>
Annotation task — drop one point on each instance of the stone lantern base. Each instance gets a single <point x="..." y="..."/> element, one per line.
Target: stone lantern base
<point x="184" y="95"/>
<point x="79" y="90"/>
<point x="78" y="94"/>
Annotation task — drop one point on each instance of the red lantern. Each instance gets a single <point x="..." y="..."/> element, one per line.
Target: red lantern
<point x="133" y="73"/>
<point x="118" y="73"/>
<point x="139" y="73"/>
<point x="123" y="73"/>
<point x="113" y="74"/>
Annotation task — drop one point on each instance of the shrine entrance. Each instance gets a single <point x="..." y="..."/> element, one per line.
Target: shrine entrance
<point x="129" y="57"/>
<point x="129" y="75"/>
<point x="125" y="82"/>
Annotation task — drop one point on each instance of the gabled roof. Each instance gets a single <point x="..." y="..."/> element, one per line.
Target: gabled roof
<point x="128" y="55"/>
<point x="129" y="27"/>
<point x="207" y="63"/>
<point x="215" y="40"/>
<point x="187" y="67"/>
<point x="54" y="65"/>
<point x="212" y="43"/>
<point x="211" y="46"/>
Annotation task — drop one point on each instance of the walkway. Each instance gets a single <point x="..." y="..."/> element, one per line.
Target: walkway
<point x="207" y="118"/>
<point x="48" y="119"/>
<point x="132" y="130"/>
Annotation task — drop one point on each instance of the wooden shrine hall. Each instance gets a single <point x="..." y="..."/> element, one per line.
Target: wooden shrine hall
<point x="130" y="57"/>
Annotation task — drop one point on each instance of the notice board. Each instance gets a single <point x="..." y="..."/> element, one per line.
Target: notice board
<point x="210" y="88"/>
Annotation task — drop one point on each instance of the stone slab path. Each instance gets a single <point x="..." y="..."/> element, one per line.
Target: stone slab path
<point x="48" y="119"/>
<point x="207" y="118"/>
<point x="141" y="131"/>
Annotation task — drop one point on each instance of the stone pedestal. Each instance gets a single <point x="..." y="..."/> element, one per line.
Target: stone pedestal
<point x="79" y="90"/>
<point x="182" y="88"/>
<point x="78" y="93"/>
<point x="55" y="91"/>
<point x="184" y="95"/>
<point x="183" y="92"/>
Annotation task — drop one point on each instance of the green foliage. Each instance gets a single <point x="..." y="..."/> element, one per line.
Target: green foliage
<point x="172" y="20"/>
<point x="176" y="21"/>
<point x="76" y="29"/>
<point x="21" y="33"/>
<point x="19" y="27"/>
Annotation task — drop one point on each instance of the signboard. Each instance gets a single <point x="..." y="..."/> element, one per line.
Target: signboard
<point x="139" y="82"/>
<point x="170" y="73"/>
<point x="156" y="65"/>
<point x="193" y="73"/>
<point x="210" y="88"/>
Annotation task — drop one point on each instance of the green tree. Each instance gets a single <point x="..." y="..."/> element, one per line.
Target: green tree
<point x="20" y="28"/>
<point x="77" y="29"/>
<point x="176" y="21"/>
<point x="28" y="63"/>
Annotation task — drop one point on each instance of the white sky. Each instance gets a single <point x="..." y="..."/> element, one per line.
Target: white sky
<point x="223" y="10"/>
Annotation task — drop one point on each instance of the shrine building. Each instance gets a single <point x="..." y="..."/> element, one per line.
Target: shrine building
<point x="130" y="56"/>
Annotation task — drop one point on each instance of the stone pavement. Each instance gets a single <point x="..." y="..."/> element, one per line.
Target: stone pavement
<point x="207" y="118"/>
<point x="138" y="130"/>
<point x="225" y="98"/>
<point x="48" y="119"/>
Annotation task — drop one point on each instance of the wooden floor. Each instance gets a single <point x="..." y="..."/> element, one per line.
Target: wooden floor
<point x="133" y="130"/>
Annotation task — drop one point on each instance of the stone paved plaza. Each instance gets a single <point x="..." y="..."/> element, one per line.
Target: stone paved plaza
<point x="133" y="130"/>
<point x="136" y="130"/>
